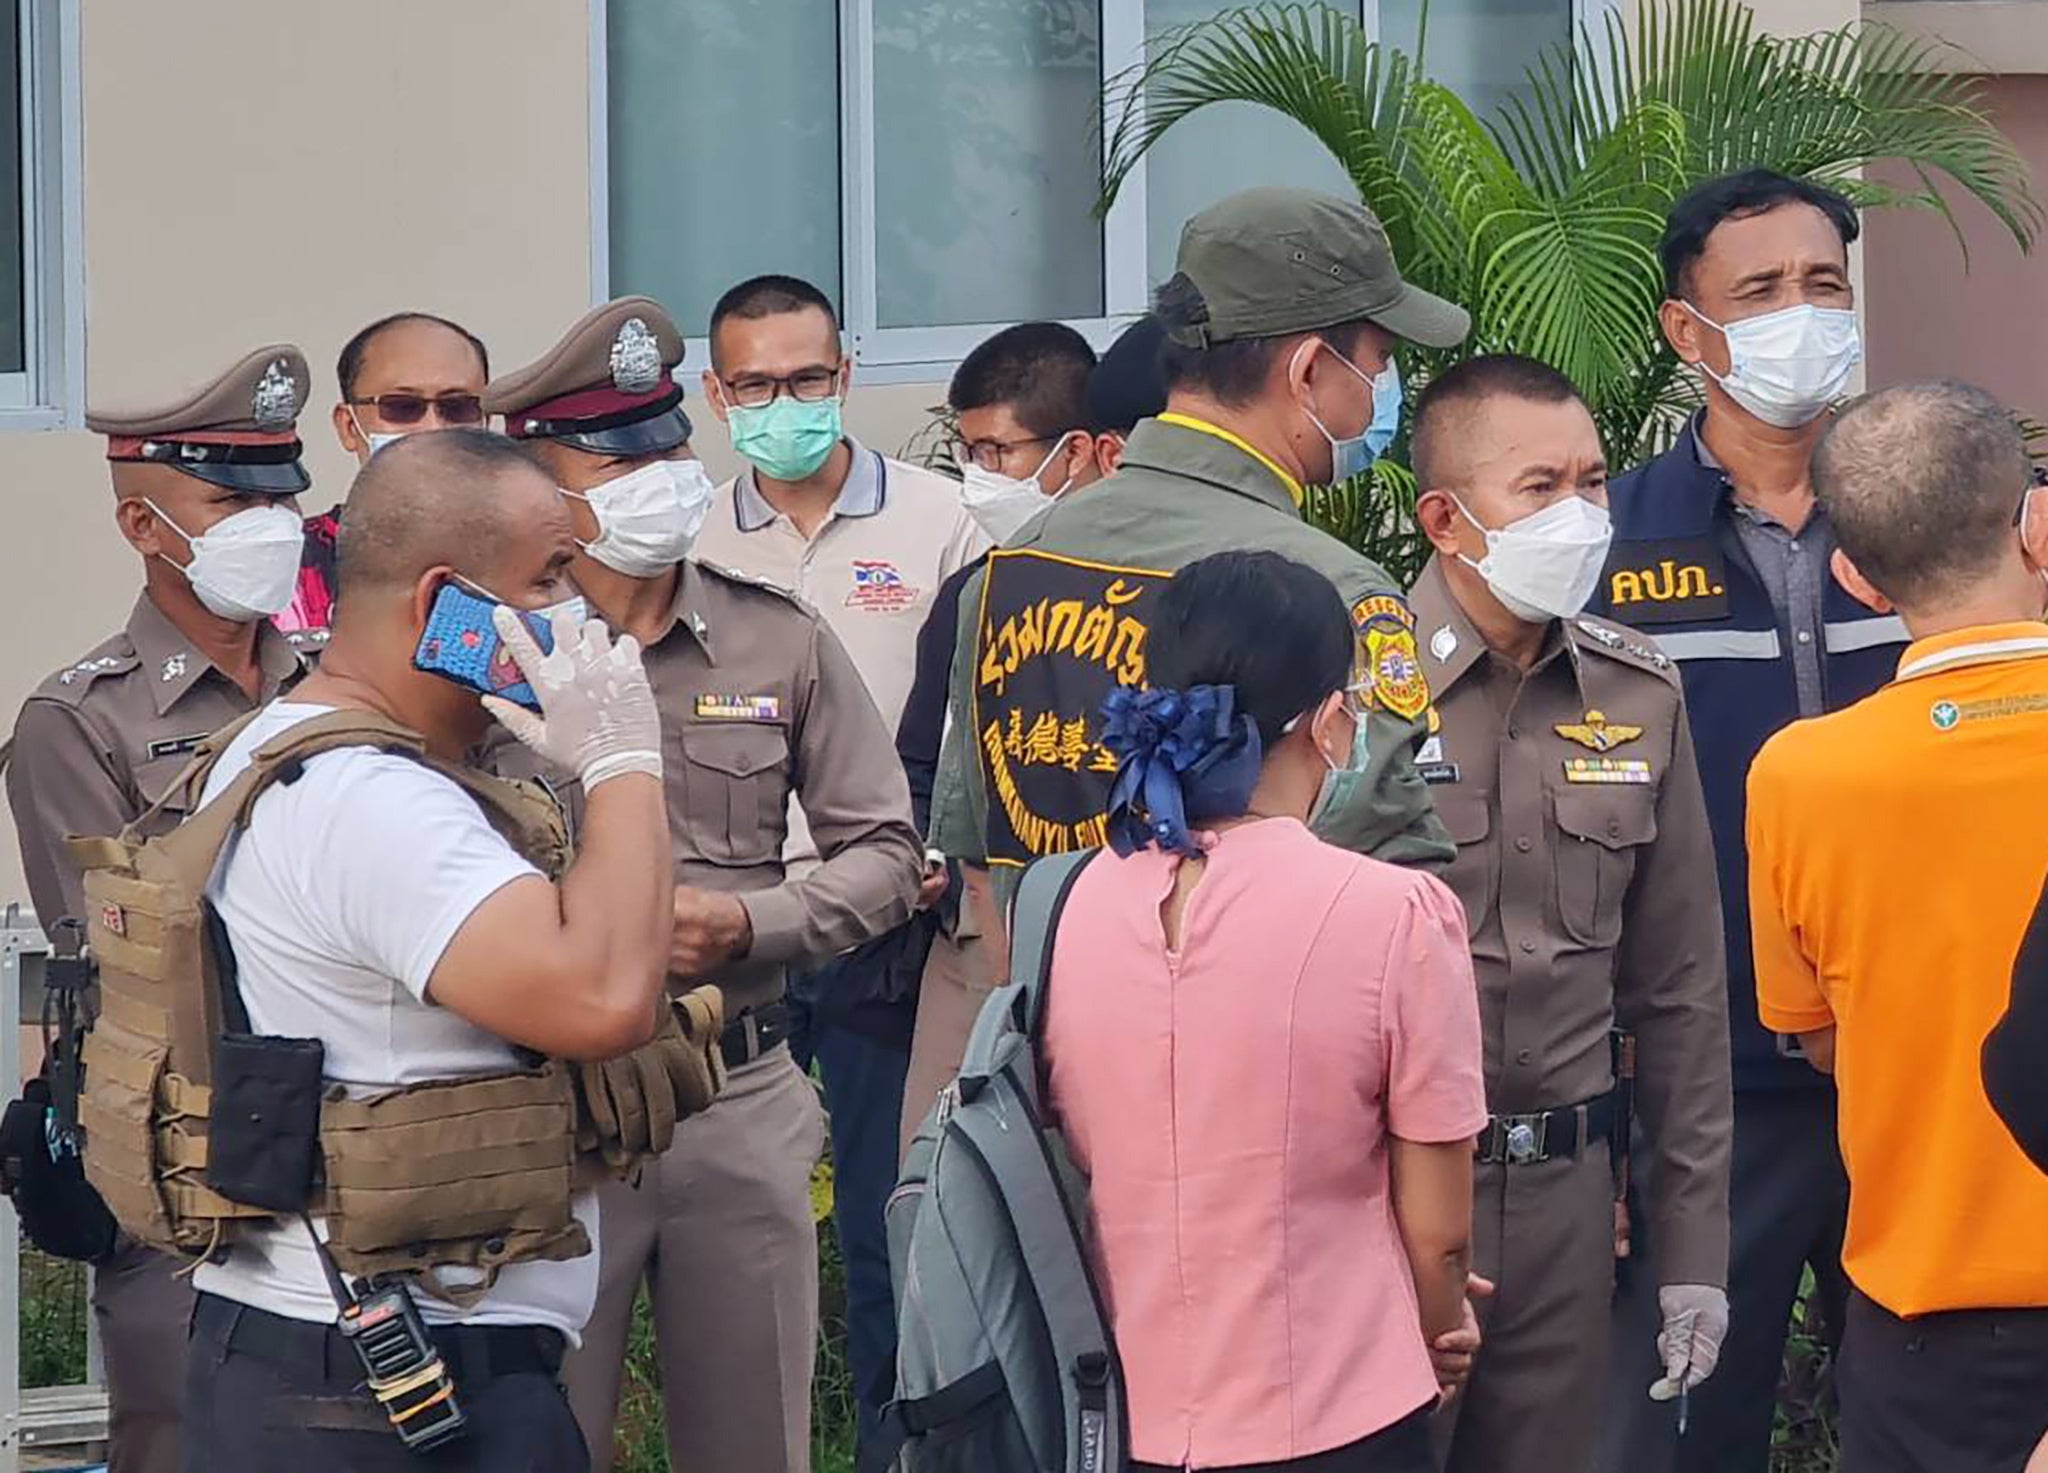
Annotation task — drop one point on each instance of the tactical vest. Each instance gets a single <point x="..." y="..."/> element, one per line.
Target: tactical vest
<point x="470" y="1173"/>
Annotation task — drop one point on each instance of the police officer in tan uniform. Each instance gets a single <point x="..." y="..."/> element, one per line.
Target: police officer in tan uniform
<point x="205" y="488"/>
<point x="1563" y="767"/>
<point x="759" y="701"/>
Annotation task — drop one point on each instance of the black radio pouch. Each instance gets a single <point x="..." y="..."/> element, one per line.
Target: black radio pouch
<point x="263" y="1131"/>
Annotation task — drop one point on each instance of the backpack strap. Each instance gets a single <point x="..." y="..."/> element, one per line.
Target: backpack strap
<point x="1034" y="922"/>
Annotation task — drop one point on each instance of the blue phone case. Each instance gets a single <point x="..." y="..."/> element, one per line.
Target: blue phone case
<point x="460" y="644"/>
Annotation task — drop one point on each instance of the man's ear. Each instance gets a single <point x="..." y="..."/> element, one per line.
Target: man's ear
<point x="1860" y="588"/>
<point x="426" y="590"/>
<point x="714" y="395"/>
<point x="1078" y="458"/>
<point x="1438" y="517"/>
<point x="1681" y="330"/>
<point x="346" y="431"/>
<point x="143" y="528"/>
<point x="1109" y="452"/>
<point x="845" y="375"/>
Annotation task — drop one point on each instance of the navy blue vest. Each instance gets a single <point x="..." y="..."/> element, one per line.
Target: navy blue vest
<point x="1674" y="573"/>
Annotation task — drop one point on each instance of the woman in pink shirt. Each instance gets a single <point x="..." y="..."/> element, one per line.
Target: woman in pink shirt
<point x="1264" y="1052"/>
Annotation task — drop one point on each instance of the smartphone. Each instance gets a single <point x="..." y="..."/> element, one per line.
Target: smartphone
<point x="461" y="644"/>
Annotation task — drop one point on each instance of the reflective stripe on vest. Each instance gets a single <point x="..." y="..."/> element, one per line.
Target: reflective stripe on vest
<point x="1864" y="634"/>
<point x="1720" y="644"/>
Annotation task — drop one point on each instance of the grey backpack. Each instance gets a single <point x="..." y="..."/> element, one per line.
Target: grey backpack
<point x="1004" y="1361"/>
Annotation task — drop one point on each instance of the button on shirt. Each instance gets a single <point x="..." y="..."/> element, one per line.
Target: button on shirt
<point x="1587" y="872"/>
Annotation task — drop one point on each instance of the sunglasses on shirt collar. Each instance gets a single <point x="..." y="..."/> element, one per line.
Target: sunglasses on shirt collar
<point x="410" y="409"/>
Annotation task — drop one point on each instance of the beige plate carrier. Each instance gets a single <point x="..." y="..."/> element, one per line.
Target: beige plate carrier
<point x="470" y="1173"/>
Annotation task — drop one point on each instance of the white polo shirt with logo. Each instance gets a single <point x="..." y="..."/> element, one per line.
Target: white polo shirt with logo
<point x="894" y="535"/>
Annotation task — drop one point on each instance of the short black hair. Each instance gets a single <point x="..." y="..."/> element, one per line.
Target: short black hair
<point x="1920" y="483"/>
<point x="1129" y="383"/>
<point x="1737" y="197"/>
<point x="349" y="367"/>
<point x="1273" y="629"/>
<point x="769" y="296"/>
<point x="1232" y="372"/>
<point x="1445" y="405"/>
<point x="1039" y="369"/>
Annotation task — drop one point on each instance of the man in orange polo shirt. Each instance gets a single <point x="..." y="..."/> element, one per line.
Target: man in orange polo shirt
<point x="1886" y="942"/>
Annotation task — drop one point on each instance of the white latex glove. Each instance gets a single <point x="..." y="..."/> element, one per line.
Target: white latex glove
<point x="597" y="709"/>
<point x="1695" y="1324"/>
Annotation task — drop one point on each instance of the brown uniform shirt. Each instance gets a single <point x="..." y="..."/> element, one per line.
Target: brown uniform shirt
<point x="100" y="740"/>
<point x="758" y="701"/>
<point x="1587" y="872"/>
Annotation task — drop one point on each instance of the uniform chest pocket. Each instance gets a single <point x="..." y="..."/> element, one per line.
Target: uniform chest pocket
<point x="1600" y="833"/>
<point x="1467" y="817"/>
<point x="735" y="791"/>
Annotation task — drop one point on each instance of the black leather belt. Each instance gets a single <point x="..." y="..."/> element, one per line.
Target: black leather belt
<point x="474" y="1353"/>
<point x="753" y="1033"/>
<point x="1522" y="1140"/>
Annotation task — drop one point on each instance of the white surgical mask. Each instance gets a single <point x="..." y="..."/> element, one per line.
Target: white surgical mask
<point x="1003" y="504"/>
<point x="244" y="567"/>
<point x="648" y="519"/>
<point x="375" y="439"/>
<point x="1787" y="367"/>
<point x="1545" y="566"/>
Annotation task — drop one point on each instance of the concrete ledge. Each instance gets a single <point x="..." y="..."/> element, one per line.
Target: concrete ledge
<point x="2008" y="37"/>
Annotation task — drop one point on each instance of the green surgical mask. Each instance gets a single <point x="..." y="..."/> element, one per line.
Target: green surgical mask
<point x="786" y="439"/>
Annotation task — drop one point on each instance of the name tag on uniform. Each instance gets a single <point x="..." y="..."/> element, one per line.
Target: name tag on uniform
<point x="175" y="746"/>
<point x="739" y="708"/>
<point x="1631" y="771"/>
<point x="1667" y="582"/>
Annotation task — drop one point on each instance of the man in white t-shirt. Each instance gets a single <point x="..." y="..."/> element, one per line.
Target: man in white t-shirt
<point x="372" y="906"/>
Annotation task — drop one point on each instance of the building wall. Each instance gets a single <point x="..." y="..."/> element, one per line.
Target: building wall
<point x="1929" y="314"/>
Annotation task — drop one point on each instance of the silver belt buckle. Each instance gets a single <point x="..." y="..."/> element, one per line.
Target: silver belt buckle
<point x="1524" y="1139"/>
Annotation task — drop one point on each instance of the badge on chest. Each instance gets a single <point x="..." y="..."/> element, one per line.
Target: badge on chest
<point x="1668" y="581"/>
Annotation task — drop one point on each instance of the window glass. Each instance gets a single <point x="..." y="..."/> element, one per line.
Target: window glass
<point x="1480" y="49"/>
<point x="1221" y="150"/>
<point x="13" y="326"/>
<point x="723" y="132"/>
<point x="987" y="160"/>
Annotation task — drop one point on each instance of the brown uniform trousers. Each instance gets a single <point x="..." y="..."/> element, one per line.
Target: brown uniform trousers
<point x="1586" y="869"/>
<point x="965" y="966"/>
<point x="95" y="745"/>
<point x="758" y="701"/>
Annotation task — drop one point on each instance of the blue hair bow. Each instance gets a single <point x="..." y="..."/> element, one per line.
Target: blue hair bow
<point x="1182" y="757"/>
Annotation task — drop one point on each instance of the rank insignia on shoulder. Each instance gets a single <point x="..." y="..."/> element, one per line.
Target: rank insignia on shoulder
<point x="739" y="708"/>
<point x="1598" y="733"/>
<point x="1607" y="770"/>
<point x="90" y="667"/>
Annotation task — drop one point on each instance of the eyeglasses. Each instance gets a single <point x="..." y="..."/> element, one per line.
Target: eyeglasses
<point x="758" y="390"/>
<point x="2035" y="481"/>
<point x="410" y="409"/>
<point x="988" y="454"/>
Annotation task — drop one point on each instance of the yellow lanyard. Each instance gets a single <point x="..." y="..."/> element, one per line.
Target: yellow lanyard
<point x="1189" y="422"/>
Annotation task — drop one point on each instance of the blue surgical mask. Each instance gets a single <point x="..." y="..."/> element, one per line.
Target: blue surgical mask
<point x="1386" y="410"/>
<point x="1353" y="455"/>
<point x="786" y="439"/>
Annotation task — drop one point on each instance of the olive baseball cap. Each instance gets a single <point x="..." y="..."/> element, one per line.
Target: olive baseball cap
<point x="1272" y="261"/>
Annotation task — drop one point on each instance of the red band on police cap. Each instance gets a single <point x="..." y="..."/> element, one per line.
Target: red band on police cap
<point x="588" y="404"/>
<point x="129" y="447"/>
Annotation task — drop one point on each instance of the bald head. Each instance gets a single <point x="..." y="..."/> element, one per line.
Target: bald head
<point x="1921" y="483"/>
<point x="463" y="499"/>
